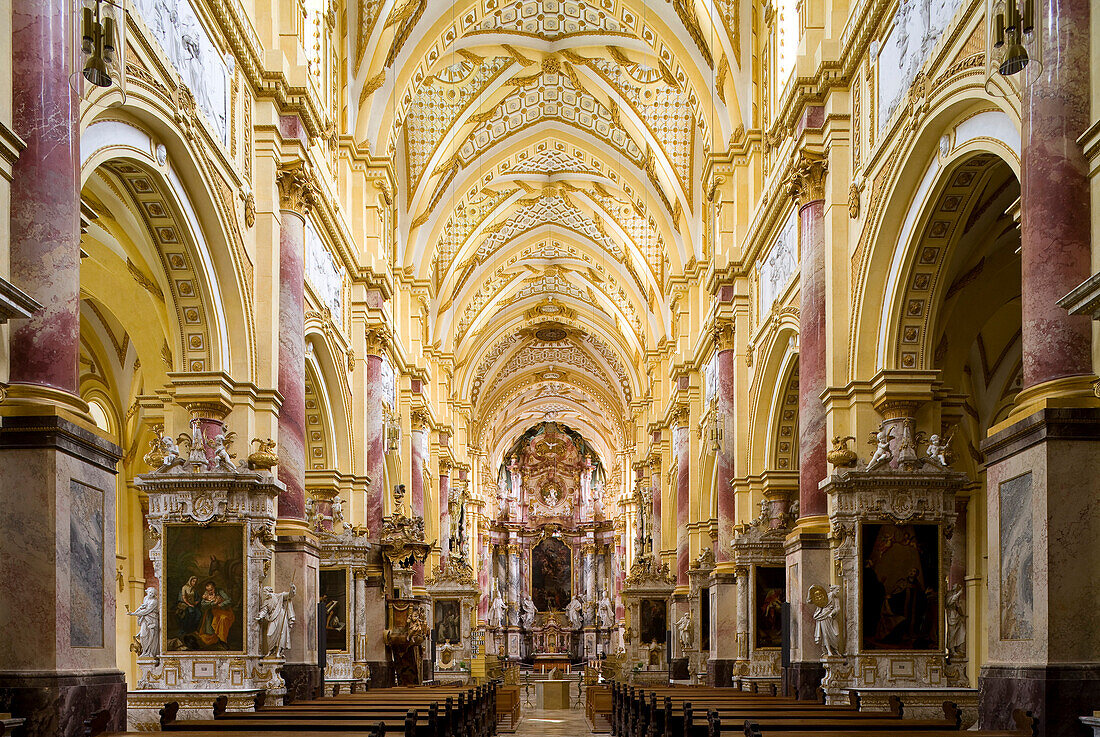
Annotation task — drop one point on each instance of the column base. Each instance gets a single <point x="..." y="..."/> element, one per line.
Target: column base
<point x="303" y="681"/>
<point x="58" y="703"/>
<point x="1057" y="695"/>
<point x="803" y="679"/>
<point x="720" y="672"/>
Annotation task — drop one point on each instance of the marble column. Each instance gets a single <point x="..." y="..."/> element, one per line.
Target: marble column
<point x="657" y="495"/>
<point x="374" y="430"/>
<point x="444" y="513"/>
<point x="484" y="567"/>
<point x="418" y="457"/>
<point x="515" y="579"/>
<point x="807" y="186"/>
<point x="57" y="530"/>
<point x="1054" y="200"/>
<point x="589" y="579"/>
<point x="681" y="447"/>
<point x="743" y="628"/>
<point x="361" y="654"/>
<point x="726" y="408"/>
<point x="297" y="558"/>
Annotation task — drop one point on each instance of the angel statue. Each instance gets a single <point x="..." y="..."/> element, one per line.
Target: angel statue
<point x="882" y="454"/>
<point x="827" y="618"/>
<point x="172" y="457"/>
<point x="148" y="615"/>
<point x="278" y="612"/>
<point x="223" y="461"/>
<point x="938" y="449"/>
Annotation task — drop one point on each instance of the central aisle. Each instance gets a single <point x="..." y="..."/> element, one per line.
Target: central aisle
<point x="563" y="723"/>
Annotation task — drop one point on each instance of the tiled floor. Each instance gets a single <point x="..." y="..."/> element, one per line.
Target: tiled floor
<point x="542" y="723"/>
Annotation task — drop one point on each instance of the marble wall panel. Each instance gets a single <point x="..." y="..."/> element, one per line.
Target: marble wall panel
<point x="86" y="539"/>
<point x="1017" y="604"/>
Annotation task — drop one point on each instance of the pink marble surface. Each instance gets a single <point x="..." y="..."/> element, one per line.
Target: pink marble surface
<point x="292" y="367"/>
<point x="811" y="361"/>
<point x="1055" y="199"/>
<point x="657" y="535"/>
<point x="45" y="205"/>
<point x="375" y="442"/>
<point x="444" y="517"/>
<point x="727" y="506"/>
<point x="682" y="446"/>
<point x="416" y="491"/>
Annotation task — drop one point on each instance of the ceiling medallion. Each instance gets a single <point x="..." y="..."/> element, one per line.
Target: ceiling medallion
<point x="550" y="334"/>
<point x="549" y="309"/>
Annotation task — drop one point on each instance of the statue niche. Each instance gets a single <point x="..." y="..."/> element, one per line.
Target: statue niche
<point x="551" y="574"/>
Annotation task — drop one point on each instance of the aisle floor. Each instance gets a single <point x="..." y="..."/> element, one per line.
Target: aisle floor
<point x="553" y="723"/>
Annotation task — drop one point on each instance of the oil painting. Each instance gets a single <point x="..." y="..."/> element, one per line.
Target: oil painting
<point x="204" y="587"/>
<point x="901" y="587"/>
<point x="551" y="574"/>
<point x="771" y="585"/>
<point x="334" y="597"/>
<point x="446" y="622"/>
<point x="654" y="624"/>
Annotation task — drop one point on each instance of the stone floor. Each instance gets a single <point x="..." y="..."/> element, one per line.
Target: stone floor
<point x="543" y="723"/>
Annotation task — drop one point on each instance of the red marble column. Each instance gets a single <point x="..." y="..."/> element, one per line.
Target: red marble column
<point x="374" y="434"/>
<point x="655" y="469"/>
<point x="444" y="513"/>
<point x="416" y="485"/>
<point x="681" y="447"/>
<point x="807" y="186"/>
<point x="295" y="196"/>
<point x="45" y="200"/>
<point x="1054" y="199"/>
<point x="723" y="337"/>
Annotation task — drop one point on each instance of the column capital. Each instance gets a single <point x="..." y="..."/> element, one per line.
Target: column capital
<point x="297" y="192"/>
<point x="806" y="182"/>
<point x="680" y="416"/>
<point x="420" y="420"/>
<point x="445" y="467"/>
<point x="377" y="339"/>
<point x="722" y="333"/>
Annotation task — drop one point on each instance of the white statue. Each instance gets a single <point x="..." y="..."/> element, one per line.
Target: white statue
<point x="575" y="611"/>
<point x="172" y="457"/>
<point x="618" y="640"/>
<point x="148" y="615"/>
<point x="337" y="511"/>
<point x="938" y="450"/>
<point x="222" y="460"/>
<point x="278" y="612"/>
<point x="827" y="618"/>
<point x="683" y="630"/>
<point x="606" y="611"/>
<point x="882" y="453"/>
<point x="956" y="621"/>
<point x="527" y="618"/>
<point x="496" y="610"/>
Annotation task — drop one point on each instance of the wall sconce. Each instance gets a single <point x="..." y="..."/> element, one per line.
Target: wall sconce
<point x="1012" y="26"/>
<point x="100" y="46"/>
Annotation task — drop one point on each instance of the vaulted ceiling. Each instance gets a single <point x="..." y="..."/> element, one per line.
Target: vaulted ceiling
<point x="550" y="157"/>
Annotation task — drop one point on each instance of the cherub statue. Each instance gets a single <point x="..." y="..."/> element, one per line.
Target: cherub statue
<point x="827" y="618"/>
<point x="172" y="457"/>
<point x="148" y="615"/>
<point x="337" y="511"/>
<point x="223" y="460"/>
<point x="882" y="454"/>
<point x="683" y="630"/>
<point x="278" y="613"/>
<point x="938" y="449"/>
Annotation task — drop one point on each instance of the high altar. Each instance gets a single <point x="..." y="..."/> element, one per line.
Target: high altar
<point x="549" y="572"/>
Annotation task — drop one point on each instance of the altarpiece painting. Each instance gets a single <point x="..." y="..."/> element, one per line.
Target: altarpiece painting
<point x="901" y="587"/>
<point x="771" y="586"/>
<point x="654" y="624"/>
<point x="334" y="595"/>
<point x="551" y="575"/>
<point x="205" y="588"/>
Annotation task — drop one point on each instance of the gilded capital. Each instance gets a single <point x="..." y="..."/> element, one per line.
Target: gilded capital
<point x="722" y="332"/>
<point x="297" y="192"/>
<point x="680" y="415"/>
<point x="420" y="420"/>
<point x="806" y="183"/>
<point x="376" y="340"/>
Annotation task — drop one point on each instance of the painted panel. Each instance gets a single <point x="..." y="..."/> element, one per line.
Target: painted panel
<point x="900" y="587"/>
<point x="654" y="624"/>
<point x="334" y="595"/>
<point x="551" y="573"/>
<point x="1017" y="557"/>
<point x="771" y="584"/>
<point x="204" y="587"/>
<point x="446" y="620"/>
<point x="85" y="565"/>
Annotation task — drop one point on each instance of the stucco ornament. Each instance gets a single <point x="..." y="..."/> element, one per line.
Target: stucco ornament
<point x="264" y="458"/>
<point x="277" y="614"/>
<point x="841" y="456"/>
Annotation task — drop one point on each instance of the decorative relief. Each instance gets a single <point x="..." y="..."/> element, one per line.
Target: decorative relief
<point x="779" y="266"/>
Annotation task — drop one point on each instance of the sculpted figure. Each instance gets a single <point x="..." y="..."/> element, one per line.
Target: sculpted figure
<point x="882" y="453"/>
<point x="575" y="612"/>
<point x="496" y="610"/>
<point x="606" y="611"/>
<point x="956" y="621"/>
<point x="683" y="630"/>
<point x="148" y="615"/>
<point x="527" y="618"/>
<point x="827" y="618"/>
<point x="222" y="460"/>
<point x="277" y="611"/>
<point x="938" y="448"/>
<point x="337" y="511"/>
<point x="172" y="457"/>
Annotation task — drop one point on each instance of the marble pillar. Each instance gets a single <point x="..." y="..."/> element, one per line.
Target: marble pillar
<point x="515" y="580"/>
<point x="657" y="494"/>
<point x="590" y="594"/>
<point x="374" y="424"/>
<point x="296" y="551"/>
<point x="417" y="460"/>
<point x="727" y="505"/>
<point x="484" y="566"/>
<point x="57" y="475"/>
<point x="1054" y="200"/>
<point x="444" y="513"/>
<point x="743" y="630"/>
<point x="681" y="447"/>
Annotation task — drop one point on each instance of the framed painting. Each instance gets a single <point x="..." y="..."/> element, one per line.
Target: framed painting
<point x="768" y="595"/>
<point x="551" y="575"/>
<point x="654" y="621"/>
<point x="334" y="596"/>
<point x="447" y="621"/>
<point x="204" y="588"/>
<point x="900" y="586"/>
